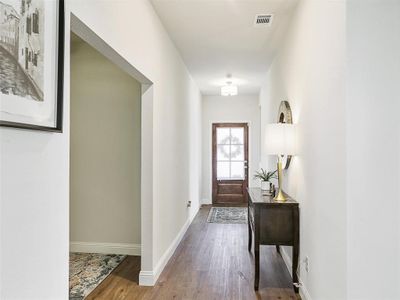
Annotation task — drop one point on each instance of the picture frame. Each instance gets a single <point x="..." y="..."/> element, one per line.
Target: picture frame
<point x="32" y="64"/>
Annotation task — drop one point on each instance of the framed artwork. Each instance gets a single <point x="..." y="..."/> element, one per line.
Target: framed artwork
<point x="31" y="64"/>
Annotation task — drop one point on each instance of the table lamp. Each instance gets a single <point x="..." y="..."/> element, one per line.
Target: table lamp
<point x="280" y="140"/>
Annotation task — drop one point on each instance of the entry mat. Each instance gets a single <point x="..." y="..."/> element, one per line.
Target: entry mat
<point x="88" y="270"/>
<point x="228" y="215"/>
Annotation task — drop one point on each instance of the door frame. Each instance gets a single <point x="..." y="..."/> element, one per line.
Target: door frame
<point x="77" y="26"/>
<point x="213" y="158"/>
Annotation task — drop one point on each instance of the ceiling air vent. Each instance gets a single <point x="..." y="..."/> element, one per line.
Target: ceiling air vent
<point x="263" y="20"/>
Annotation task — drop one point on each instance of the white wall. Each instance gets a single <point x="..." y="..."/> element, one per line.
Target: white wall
<point x="35" y="165"/>
<point x="373" y="163"/>
<point x="105" y="152"/>
<point x="219" y="109"/>
<point x="309" y="72"/>
<point x="195" y="158"/>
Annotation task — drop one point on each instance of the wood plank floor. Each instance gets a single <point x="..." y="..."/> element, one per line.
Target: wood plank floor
<point x="212" y="262"/>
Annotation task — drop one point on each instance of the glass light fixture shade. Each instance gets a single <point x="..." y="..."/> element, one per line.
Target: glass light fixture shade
<point x="229" y="90"/>
<point x="280" y="139"/>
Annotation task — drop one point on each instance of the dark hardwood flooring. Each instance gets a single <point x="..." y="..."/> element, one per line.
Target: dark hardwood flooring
<point x="211" y="262"/>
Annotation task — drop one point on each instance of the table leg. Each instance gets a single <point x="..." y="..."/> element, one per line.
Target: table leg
<point x="250" y="233"/>
<point x="296" y="246"/>
<point x="295" y="264"/>
<point x="257" y="265"/>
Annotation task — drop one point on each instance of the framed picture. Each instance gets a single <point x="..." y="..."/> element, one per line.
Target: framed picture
<point x="31" y="64"/>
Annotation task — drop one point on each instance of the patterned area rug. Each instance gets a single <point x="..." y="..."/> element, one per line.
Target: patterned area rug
<point x="88" y="270"/>
<point x="228" y="215"/>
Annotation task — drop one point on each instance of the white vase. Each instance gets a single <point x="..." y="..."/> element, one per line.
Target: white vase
<point x="265" y="186"/>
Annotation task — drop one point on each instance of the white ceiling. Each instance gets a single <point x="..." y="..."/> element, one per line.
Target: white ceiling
<point x="217" y="37"/>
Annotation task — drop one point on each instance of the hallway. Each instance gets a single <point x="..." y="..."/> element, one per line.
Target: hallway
<point x="288" y="107"/>
<point x="212" y="262"/>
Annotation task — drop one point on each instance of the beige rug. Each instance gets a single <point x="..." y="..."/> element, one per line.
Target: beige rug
<point x="88" y="270"/>
<point x="228" y="215"/>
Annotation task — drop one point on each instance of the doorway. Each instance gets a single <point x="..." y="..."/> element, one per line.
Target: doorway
<point x="230" y="151"/>
<point x="105" y="167"/>
<point x="146" y="143"/>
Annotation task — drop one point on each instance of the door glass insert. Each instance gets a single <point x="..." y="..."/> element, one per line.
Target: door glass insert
<point x="230" y="153"/>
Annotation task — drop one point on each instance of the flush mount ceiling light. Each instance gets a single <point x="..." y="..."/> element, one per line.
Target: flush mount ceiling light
<point x="229" y="89"/>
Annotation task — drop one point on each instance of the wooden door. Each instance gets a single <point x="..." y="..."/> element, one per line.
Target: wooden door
<point x="229" y="163"/>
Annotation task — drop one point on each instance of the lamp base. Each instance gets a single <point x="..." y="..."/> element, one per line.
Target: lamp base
<point x="280" y="197"/>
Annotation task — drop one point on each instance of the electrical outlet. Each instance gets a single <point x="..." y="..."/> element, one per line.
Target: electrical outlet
<point x="306" y="262"/>
<point x="189" y="204"/>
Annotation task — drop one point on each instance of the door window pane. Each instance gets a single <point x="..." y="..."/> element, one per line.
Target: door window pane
<point x="237" y="152"/>
<point x="223" y="136"/>
<point x="223" y="170"/>
<point x="237" y="136"/>
<point x="223" y="152"/>
<point x="237" y="170"/>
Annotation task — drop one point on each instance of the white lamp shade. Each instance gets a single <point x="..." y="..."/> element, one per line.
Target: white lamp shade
<point x="280" y="139"/>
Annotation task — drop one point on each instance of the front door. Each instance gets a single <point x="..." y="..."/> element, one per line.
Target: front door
<point x="229" y="163"/>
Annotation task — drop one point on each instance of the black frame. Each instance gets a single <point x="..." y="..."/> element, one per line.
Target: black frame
<point x="60" y="80"/>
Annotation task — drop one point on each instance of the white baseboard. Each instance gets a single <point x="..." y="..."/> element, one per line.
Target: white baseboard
<point x="206" y="201"/>
<point x="149" y="278"/>
<point x="288" y="262"/>
<point x="146" y="278"/>
<point x="303" y="291"/>
<point x="105" y="248"/>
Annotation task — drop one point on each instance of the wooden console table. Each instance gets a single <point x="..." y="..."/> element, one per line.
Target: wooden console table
<point x="273" y="223"/>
